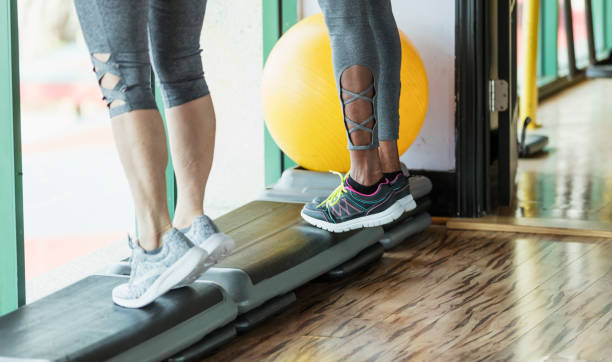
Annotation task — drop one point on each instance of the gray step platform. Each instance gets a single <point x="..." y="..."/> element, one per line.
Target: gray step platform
<point x="80" y="322"/>
<point x="411" y="223"/>
<point x="209" y="345"/>
<point x="599" y="71"/>
<point x="251" y="319"/>
<point x="363" y="259"/>
<point x="276" y="252"/>
<point x="534" y="144"/>
<point x="410" y="226"/>
<point x="302" y="186"/>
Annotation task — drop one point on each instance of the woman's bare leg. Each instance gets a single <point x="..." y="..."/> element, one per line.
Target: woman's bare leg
<point x="389" y="156"/>
<point x="191" y="129"/>
<point x="141" y="142"/>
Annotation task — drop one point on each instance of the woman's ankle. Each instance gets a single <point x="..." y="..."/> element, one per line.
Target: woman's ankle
<point x="150" y="237"/>
<point x="389" y="156"/>
<point x="184" y="219"/>
<point x="365" y="167"/>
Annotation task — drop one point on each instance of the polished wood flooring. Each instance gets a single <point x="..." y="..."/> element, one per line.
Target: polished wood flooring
<point x="574" y="179"/>
<point x="449" y="295"/>
<point x="570" y="185"/>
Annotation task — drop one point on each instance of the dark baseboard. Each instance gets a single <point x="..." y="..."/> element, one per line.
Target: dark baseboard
<point x="557" y="85"/>
<point x="444" y="192"/>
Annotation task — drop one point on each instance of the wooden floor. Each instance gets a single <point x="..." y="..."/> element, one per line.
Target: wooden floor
<point x="452" y="295"/>
<point x="570" y="185"/>
<point x="574" y="179"/>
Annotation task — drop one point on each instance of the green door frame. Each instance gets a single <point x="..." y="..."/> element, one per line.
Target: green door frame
<point x="599" y="10"/>
<point x="608" y="25"/>
<point x="12" y="275"/>
<point x="170" y="176"/>
<point x="547" y="42"/>
<point x="278" y="17"/>
<point x="12" y="263"/>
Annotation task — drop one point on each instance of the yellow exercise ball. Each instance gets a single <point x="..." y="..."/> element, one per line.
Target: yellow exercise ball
<point x="300" y="99"/>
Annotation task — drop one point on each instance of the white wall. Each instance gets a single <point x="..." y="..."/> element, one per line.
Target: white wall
<point x="431" y="27"/>
<point x="233" y="65"/>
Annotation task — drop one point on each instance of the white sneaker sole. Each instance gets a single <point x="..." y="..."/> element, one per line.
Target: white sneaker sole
<point x="408" y="203"/>
<point x="218" y="246"/>
<point x="391" y="214"/>
<point x="190" y="265"/>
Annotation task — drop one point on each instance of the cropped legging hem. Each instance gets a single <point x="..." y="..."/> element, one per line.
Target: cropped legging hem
<point x="136" y="36"/>
<point x="190" y="90"/>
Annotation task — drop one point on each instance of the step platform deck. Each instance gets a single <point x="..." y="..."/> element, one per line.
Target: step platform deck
<point x="298" y="185"/>
<point x="80" y="322"/>
<point x="276" y="252"/>
<point x="301" y="186"/>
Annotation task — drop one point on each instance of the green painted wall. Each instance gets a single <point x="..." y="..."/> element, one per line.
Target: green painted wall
<point x="278" y="17"/>
<point x="547" y="40"/>
<point x="608" y="26"/>
<point x="12" y="280"/>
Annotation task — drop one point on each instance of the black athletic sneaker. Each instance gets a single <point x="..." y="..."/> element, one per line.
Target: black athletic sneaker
<point x="346" y="209"/>
<point x="401" y="188"/>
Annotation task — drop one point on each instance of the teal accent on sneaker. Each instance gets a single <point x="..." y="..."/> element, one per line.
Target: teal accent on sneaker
<point x="346" y="209"/>
<point x="178" y="262"/>
<point x="401" y="189"/>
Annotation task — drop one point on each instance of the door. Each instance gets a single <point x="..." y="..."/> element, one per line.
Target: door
<point x="486" y="114"/>
<point x="504" y="79"/>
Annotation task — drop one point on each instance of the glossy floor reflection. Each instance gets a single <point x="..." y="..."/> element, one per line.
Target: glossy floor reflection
<point x="573" y="180"/>
<point x="450" y="295"/>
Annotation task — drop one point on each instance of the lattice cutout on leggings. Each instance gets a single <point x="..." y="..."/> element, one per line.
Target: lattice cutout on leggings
<point x="361" y="125"/>
<point x="113" y="90"/>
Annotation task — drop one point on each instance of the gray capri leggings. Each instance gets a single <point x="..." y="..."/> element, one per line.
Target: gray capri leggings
<point x="124" y="30"/>
<point x="364" y="32"/>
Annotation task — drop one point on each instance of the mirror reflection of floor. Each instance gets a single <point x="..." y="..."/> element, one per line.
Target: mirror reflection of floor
<point x="569" y="187"/>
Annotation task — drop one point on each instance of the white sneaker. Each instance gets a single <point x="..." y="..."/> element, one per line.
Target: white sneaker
<point x="177" y="262"/>
<point x="205" y="234"/>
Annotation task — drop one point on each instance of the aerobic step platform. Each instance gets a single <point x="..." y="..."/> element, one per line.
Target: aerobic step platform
<point x="81" y="323"/>
<point x="276" y="252"/>
<point x="299" y="185"/>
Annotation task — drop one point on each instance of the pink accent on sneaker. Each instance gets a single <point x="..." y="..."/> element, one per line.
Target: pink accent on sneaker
<point x="380" y="203"/>
<point x="396" y="177"/>
<point x="343" y="205"/>
<point x="341" y="208"/>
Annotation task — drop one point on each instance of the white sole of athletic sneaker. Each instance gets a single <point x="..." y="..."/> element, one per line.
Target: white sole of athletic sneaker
<point x="408" y="203"/>
<point x="391" y="214"/>
<point x="218" y="246"/>
<point x="193" y="263"/>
